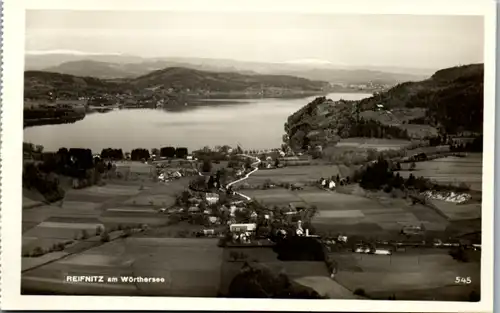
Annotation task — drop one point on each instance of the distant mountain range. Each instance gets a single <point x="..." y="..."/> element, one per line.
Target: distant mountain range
<point x="110" y="66"/>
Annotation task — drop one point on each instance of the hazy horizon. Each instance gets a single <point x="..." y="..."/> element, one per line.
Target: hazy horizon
<point x="340" y="39"/>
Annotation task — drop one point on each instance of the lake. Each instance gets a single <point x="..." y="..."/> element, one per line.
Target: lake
<point x="252" y="123"/>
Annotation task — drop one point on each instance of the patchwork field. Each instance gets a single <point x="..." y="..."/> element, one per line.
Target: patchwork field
<point x="355" y="215"/>
<point x="458" y="211"/>
<point x="84" y="210"/>
<point x="378" y="144"/>
<point x="190" y="267"/>
<point x="292" y="174"/>
<point x="405" y="272"/>
<point x="452" y="170"/>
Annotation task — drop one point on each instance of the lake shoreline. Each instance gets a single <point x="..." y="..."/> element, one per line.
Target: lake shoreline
<point x="256" y="123"/>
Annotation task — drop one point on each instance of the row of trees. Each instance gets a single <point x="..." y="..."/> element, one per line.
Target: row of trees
<point x="172" y="152"/>
<point x="141" y="153"/>
<point x="75" y="163"/>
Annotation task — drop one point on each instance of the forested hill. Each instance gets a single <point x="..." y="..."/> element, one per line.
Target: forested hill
<point x="182" y="80"/>
<point x="38" y="84"/>
<point x="450" y="101"/>
<point x="453" y="98"/>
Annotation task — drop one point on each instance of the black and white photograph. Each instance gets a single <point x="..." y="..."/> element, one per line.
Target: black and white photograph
<point x="254" y="155"/>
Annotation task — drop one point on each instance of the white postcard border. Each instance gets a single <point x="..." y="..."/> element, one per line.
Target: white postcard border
<point x="11" y="155"/>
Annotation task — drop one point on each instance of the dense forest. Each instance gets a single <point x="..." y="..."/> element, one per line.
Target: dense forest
<point x="452" y="99"/>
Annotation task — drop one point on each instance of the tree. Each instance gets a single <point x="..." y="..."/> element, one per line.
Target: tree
<point x="139" y="154"/>
<point x="113" y="154"/>
<point x="181" y="152"/>
<point x="211" y="182"/>
<point x="167" y="152"/>
<point x="206" y="167"/>
<point x="39" y="148"/>
<point x="248" y="163"/>
<point x="155" y="151"/>
<point x="83" y="158"/>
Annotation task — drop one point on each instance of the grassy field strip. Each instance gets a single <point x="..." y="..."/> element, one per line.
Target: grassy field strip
<point x="80" y="205"/>
<point x="54" y="233"/>
<point x="341" y="214"/>
<point x="144" y="210"/>
<point x="30" y="263"/>
<point x="133" y="220"/>
<point x="174" y="242"/>
<point x="90" y="259"/>
<point x="87" y="226"/>
<point x="29" y="204"/>
<point x="334" y="222"/>
<point x="458" y="211"/>
<point x="165" y="200"/>
<point x="326" y="286"/>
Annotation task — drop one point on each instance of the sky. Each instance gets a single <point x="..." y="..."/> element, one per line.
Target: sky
<point x="423" y="41"/>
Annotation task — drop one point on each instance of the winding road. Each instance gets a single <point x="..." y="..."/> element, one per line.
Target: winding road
<point x="255" y="165"/>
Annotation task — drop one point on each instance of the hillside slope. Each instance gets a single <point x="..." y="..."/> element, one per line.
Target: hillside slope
<point x="39" y="84"/>
<point x="450" y="100"/>
<point x="183" y="78"/>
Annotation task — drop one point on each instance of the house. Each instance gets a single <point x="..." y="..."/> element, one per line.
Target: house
<point x="331" y="184"/>
<point x="208" y="232"/>
<point x="213" y="219"/>
<point x="254" y="215"/>
<point x="242" y="228"/>
<point x="211" y="198"/>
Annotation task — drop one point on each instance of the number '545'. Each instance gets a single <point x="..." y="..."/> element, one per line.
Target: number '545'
<point x="462" y="280"/>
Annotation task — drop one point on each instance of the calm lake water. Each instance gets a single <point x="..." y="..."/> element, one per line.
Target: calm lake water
<point x="253" y="123"/>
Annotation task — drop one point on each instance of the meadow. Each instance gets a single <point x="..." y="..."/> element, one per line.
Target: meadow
<point x="379" y="144"/>
<point x="380" y="216"/>
<point x="452" y="170"/>
<point x="292" y="174"/>
<point x="402" y="273"/>
<point x="190" y="267"/>
<point x="118" y="203"/>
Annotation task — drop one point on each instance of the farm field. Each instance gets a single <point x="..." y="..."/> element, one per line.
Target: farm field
<point x="190" y="267"/>
<point x="405" y="272"/>
<point x="292" y="174"/>
<point x="355" y="215"/>
<point x="107" y="206"/>
<point x="456" y="212"/>
<point x="312" y="274"/>
<point x="452" y="170"/>
<point x="379" y="144"/>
